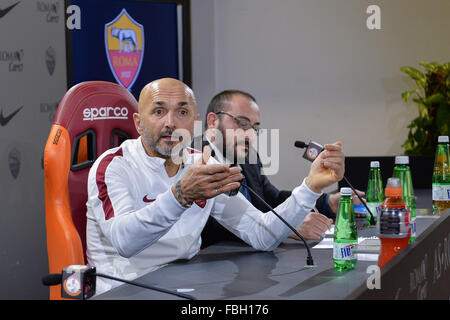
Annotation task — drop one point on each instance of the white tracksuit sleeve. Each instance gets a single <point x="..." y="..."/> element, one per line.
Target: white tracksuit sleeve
<point x="264" y="231"/>
<point x="128" y="228"/>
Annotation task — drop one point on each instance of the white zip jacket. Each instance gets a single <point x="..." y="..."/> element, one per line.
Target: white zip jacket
<point x="135" y="224"/>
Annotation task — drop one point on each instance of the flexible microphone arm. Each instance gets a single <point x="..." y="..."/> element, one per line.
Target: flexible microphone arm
<point x="301" y="144"/>
<point x="372" y="219"/>
<point x="54" y="279"/>
<point x="134" y="283"/>
<point x="309" y="259"/>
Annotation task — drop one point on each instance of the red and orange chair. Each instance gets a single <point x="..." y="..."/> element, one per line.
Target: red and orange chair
<point x="92" y="117"/>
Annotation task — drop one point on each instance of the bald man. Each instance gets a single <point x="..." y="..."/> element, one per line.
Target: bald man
<point x="146" y="209"/>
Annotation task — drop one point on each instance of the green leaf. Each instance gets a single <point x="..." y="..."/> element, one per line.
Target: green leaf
<point x="413" y="73"/>
<point x="420" y="136"/>
<point x="435" y="98"/>
<point x="443" y="118"/>
<point x="407" y="145"/>
<point x="422" y="83"/>
<point x="406" y="94"/>
<point x="413" y="125"/>
<point x="446" y="67"/>
<point x="423" y="110"/>
<point x="430" y="66"/>
<point x="434" y="110"/>
<point x="419" y="122"/>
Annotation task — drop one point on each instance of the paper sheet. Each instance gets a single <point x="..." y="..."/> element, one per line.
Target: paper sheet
<point x="368" y="247"/>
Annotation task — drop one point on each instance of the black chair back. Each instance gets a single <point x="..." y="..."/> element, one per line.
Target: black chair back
<point x="357" y="170"/>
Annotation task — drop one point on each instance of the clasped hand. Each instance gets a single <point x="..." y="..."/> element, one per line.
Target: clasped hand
<point x="204" y="181"/>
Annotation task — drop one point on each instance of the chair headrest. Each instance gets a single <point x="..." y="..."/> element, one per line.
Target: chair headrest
<point x="99" y="106"/>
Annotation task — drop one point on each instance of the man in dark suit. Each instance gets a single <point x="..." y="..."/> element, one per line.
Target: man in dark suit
<point x="237" y="112"/>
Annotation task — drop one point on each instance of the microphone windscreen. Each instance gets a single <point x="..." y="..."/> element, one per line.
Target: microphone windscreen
<point x="300" y="144"/>
<point x="52" y="279"/>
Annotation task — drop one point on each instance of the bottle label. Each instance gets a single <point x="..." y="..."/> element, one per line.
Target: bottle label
<point x="373" y="206"/>
<point x="441" y="192"/>
<point x="344" y="251"/>
<point x="413" y="227"/>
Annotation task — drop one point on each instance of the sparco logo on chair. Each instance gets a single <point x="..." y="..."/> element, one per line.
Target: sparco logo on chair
<point x="104" y="113"/>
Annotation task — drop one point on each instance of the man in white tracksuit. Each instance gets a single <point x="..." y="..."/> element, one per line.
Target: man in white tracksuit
<point x="146" y="210"/>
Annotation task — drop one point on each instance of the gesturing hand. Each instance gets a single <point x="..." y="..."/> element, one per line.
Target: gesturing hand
<point x="328" y="168"/>
<point x="313" y="227"/>
<point x="205" y="181"/>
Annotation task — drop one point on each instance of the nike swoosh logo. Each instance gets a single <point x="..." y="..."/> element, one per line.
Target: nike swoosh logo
<point x="145" y="199"/>
<point x="3" y="12"/>
<point x="5" y="120"/>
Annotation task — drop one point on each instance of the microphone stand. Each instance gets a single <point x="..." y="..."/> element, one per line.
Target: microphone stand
<point x="372" y="219"/>
<point x="309" y="259"/>
<point x="137" y="284"/>
<point x="56" y="279"/>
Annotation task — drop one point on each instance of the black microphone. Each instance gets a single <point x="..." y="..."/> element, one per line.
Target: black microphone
<point x="52" y="279"/>
<point x="82" y="284"/>
<point x="313" y="148"/>
<point x="77" y="281"/>
<point x="300" y="144"/>
<point x="309" y="258"/>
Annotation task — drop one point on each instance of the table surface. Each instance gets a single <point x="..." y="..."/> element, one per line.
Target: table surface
<point x="236" y="271"/>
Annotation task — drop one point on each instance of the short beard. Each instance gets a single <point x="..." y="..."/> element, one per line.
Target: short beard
<point x="233" y="152"/>
<point x="154" y="143"/>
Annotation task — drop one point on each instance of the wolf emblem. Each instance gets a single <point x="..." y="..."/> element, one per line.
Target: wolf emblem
<point x="127" y="38"/>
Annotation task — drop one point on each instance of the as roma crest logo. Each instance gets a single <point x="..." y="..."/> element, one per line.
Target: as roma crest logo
<point x="200" y="203"/>
<point x="124" y="43"/>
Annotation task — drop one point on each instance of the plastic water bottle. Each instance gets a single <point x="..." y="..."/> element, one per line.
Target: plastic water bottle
<point x="394" y="228"/>
<point x="403" y="172"/>
<point x="375" y="191"/>
<point x="345" y="233"/>
<point x="441" y="177"/>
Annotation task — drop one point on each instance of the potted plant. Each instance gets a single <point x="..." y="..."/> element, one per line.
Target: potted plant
<point x="432" y="96"/>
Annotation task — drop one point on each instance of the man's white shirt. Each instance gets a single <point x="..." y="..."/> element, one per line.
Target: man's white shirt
<point x="135" y="225"/>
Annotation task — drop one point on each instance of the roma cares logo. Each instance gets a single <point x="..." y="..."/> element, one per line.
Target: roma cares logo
<point x="124" y="43"/>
